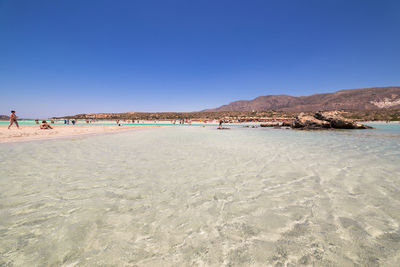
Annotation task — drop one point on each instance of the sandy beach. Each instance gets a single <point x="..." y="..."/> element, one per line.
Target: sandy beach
<point x="30" y="132"/>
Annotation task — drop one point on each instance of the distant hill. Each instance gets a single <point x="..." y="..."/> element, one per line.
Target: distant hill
<point x="4" y="117"/>
<point x="353" y="99"/>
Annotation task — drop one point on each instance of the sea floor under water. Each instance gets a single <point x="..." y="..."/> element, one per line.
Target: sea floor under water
<point x="203" y="197"/>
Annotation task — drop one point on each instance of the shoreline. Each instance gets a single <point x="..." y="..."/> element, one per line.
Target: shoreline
<point x="28" y="133"/>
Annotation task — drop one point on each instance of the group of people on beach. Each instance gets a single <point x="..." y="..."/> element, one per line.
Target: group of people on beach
<point x="72" y="121"/>
<point x="13" y="120"/>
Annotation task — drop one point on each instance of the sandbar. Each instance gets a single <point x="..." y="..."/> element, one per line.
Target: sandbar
<point x="30" y="132"/>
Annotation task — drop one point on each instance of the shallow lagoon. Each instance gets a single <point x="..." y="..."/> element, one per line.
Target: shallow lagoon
<point x="198" y="196"/>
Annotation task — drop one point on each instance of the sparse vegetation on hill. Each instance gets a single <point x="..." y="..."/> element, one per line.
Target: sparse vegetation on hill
<point x="349" y="100"/>
<point x="184" y="115"/>
<point x="372" y="104"/>
<point x="375" y="115"/>
<point x="366" y="115"/>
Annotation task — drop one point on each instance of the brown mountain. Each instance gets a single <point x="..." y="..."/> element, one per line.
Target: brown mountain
<point x="353" y="99"/>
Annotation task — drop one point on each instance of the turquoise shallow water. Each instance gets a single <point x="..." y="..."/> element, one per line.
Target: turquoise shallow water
<point x="198" y="196"/>
<point x="147" y="123"/>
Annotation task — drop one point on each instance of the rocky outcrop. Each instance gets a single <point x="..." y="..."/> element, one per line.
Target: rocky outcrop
<point x="326" y="120"/>
<point x="309" y="122"/>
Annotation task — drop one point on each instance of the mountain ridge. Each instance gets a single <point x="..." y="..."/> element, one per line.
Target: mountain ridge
<point x="347" y="99"/>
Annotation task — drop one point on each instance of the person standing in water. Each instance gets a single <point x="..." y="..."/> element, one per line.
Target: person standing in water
<point x="13" y="119"/>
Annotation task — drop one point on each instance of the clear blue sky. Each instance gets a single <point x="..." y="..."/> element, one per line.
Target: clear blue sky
<point x="77" y="56"/>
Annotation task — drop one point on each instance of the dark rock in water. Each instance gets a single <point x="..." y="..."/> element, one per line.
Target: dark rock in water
<point x="274" y="124"/>
<point x="326" y="120"/>
<point x="266" y="125"/>
<point x="286" y="124"/>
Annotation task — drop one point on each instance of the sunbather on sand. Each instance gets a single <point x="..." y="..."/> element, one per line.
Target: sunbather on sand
<point x="45" y="126"/>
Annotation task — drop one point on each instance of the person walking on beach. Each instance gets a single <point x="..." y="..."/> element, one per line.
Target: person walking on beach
<point x="13" y="119"/>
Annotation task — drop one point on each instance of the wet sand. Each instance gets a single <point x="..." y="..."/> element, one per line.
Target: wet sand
<point x="30" y="132"/>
